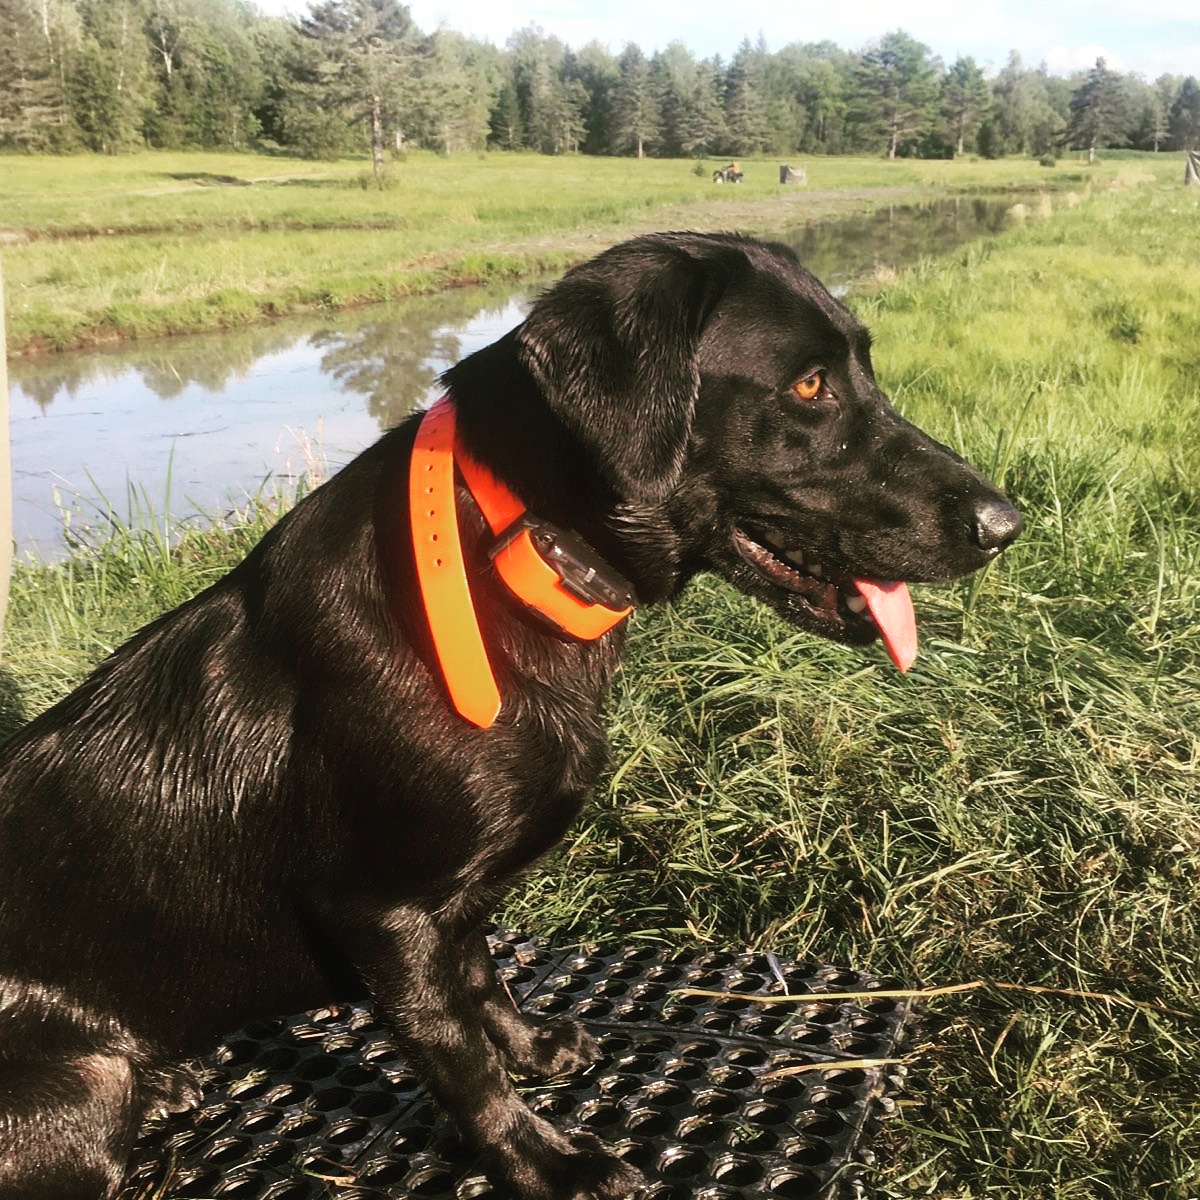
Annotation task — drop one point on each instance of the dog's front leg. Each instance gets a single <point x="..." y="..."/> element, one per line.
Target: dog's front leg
<point x="529" y="1047"/>
<point x="420" y="983"/>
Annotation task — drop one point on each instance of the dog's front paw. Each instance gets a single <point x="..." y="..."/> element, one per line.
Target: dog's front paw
<point x="174" y="1090"/>
<point x="557" y="1048"/>
<point x="585" y="1170"/>
<point x="541" y="1049"/>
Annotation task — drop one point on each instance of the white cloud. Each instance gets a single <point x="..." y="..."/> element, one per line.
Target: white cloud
<point x="1065" y="60"/>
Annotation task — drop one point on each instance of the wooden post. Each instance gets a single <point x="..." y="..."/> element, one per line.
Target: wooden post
<point x="6" y="527"/>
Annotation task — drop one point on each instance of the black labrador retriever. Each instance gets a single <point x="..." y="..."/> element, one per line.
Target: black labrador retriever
<point x="323" y="772"/>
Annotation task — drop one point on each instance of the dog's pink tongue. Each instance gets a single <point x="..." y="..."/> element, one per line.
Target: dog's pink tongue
<point x="892" y="609"/>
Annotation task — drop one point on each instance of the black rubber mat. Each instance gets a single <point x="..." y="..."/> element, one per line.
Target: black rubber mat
<point x="713" y="1098"/>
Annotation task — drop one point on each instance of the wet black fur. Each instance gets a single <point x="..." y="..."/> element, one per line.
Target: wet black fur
<point x="263" y="802"/>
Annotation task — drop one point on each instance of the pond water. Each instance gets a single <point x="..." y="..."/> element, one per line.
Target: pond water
<point x="196" y="425"/>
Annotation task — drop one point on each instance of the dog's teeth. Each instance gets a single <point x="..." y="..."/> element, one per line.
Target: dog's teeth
<point x="795" y="557"/>
<point x="815" y="568"/>
<point x="774" y="541"/>
<point x="856" y="604"/>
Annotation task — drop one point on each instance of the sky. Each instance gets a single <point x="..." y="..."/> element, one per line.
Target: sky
<point x="1147" y="37"/>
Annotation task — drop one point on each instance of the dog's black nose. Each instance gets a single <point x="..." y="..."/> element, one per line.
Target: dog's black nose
<point x="996" y="524"/>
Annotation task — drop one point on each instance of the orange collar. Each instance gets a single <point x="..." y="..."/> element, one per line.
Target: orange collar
<point x="551" y="571"/>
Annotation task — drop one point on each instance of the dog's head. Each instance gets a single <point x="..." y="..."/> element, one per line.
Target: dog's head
<point x="721" y="390"/>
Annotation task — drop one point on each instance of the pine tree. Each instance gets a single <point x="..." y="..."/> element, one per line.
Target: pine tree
<point x="505" y="124"/>
<point x="896" y="82"/>
<point x="702" y="127"/>
<point x="451" y="106"/>
<point x="1096" y="111"/>
<point x="964" y="100"/>
<point x="364" y="61"/>
<point x="537" y="69"/>
<point x="637" y="108"/>
<point x="745" y="101"/>
<point x="595" y="70"/>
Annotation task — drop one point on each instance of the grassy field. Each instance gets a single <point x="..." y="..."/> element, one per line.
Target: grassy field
<point x="98" y="249"/>
<point x="1021" y="808"/>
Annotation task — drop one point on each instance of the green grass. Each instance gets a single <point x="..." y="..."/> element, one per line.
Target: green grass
<point x="63" y="617"/>
<point x="98" y="249"/>
<point x="1020" y="808"/>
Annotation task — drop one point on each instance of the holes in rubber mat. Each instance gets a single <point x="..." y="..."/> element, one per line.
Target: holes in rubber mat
<point x="712" y="1097"/>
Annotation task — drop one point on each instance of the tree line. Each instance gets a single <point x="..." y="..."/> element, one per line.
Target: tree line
<point x="116" y="75"/>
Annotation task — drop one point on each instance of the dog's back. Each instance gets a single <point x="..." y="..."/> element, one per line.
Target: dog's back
<point x="153" y="828"/>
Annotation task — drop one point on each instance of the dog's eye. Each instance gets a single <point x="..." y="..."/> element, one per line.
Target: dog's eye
<point x="810" y="387"/>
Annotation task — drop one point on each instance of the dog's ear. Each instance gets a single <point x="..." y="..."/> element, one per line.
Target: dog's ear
<point x="612" y="349"/>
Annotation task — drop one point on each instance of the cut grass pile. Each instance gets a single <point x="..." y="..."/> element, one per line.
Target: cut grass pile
<point x="1021" y="808"/>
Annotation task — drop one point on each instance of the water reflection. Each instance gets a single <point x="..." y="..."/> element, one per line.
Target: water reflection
<point x="197" y="424"/>
<point x="842" y="252"/>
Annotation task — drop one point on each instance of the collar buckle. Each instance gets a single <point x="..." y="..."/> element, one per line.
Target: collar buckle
<point x="557" y="575"/>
